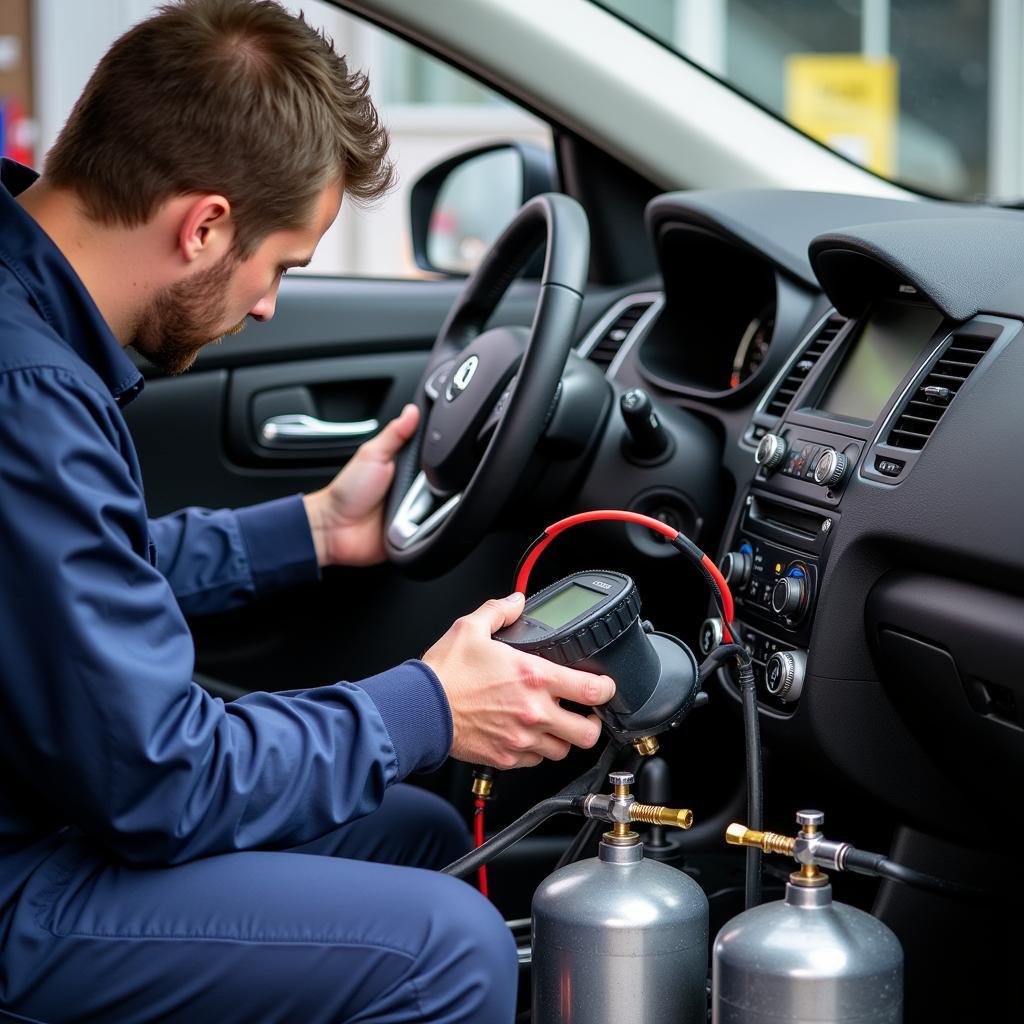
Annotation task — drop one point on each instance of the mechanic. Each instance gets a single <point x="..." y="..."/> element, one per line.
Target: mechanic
<point x="164" y="856"/>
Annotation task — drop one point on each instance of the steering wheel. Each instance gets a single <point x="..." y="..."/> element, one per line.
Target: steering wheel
<point x="486" y="395"/>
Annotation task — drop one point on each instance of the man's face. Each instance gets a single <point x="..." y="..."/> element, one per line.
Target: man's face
<point x="213" y="303"/>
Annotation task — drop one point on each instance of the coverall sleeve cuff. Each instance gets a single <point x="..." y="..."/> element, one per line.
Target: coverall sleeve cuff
<point x="280" y="543"/>
<point x="415" y="712"/>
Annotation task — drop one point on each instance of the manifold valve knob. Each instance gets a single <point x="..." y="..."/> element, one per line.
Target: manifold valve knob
<point x="814" y="819"/>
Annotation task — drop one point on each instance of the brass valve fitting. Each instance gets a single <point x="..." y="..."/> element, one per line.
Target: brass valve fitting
<point x="770" y="842"/>
<point x="482" y="787"/>
<point x="646" y="746"/>
<point x="809" y="847"/>
<point x="621" y="809"/>
<point x="652" y="814"/>
<point x="483" y="781"/>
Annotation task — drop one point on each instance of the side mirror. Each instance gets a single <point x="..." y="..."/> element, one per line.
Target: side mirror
<point x="461" y="205"/>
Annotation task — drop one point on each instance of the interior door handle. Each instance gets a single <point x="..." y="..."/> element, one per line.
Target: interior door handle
<point x="300" y="430"/>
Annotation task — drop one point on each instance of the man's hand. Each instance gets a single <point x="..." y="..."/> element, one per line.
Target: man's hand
<point x="505" y="704"/>
<point x="347" y="516"/>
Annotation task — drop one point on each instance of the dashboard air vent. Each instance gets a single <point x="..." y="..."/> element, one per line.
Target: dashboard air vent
<point x="936" y="391"/>
<point x="612" y="338"/>
<point x="783" y="395"/>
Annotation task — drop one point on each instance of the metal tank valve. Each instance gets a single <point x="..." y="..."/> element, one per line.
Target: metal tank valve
<point x="809" y="848"/>
<point x="622" y="809"/>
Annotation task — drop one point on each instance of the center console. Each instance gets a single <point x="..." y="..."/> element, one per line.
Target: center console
<point x="813" y="432"/>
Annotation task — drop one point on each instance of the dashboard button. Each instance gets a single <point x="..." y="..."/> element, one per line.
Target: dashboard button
<point x="888" y="467"/>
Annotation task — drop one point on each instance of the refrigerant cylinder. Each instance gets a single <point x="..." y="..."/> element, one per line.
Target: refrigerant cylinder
<point x="806" y="959"/>
<point x="618" y="938"/>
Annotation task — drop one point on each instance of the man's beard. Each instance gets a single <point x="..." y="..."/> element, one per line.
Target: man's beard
<point x="185" y="317"/>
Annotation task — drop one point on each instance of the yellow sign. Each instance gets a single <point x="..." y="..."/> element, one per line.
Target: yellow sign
<point x="849" y="102"/>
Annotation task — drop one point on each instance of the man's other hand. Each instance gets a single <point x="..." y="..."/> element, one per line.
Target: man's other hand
<point x="505" y="703"/>
<point x="347" y="516"/>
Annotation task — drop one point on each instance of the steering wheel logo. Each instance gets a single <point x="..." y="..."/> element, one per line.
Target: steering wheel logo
<point x="461" y="378"/>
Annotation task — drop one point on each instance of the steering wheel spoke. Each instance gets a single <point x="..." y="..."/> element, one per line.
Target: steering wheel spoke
<point x="419" y="513"/>
<point x="489" y="425"/>
<point x="438" y="378"/>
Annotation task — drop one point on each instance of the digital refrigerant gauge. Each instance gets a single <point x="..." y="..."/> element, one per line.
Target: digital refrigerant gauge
<point x="591" y="621"/>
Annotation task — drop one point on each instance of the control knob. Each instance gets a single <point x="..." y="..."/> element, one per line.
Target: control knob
<point x="831" y="468"/>
<point x="784" y="674"/>
<point x="710" y="635"/>
<point x="789" y="597"/>
<point x="771" y="451"/>
<point x="736" y="568"/>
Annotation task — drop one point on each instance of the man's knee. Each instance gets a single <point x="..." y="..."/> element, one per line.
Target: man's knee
<point x="469" y="970"/>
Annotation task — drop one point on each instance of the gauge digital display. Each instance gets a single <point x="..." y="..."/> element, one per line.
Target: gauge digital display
<point x="566" y="605"/>
<point x="890" y="340"/>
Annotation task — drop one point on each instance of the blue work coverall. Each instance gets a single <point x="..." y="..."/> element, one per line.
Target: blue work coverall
<point x="148" y="832"/>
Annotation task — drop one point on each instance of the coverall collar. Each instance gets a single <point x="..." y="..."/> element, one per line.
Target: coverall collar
<point x="57" y="291"/>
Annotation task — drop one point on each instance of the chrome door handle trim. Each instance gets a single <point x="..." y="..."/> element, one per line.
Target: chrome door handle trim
<point x="300" y="429"/>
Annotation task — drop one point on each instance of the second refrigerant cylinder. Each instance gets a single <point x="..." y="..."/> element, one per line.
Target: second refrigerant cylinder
<point x="807" y="960"/>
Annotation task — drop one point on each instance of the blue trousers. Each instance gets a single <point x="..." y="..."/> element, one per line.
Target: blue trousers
<point x="314" y="935"/>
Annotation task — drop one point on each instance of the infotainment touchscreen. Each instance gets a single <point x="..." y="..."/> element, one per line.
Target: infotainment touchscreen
<point x="893" y="336"/>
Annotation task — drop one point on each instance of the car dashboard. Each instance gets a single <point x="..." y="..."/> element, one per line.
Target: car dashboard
<point x="860" y="362"/>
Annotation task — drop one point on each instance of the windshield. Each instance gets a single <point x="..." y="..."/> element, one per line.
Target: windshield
<point x="924" y="92"/>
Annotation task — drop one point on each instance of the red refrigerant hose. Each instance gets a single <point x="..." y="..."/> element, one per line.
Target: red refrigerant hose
<point x="718" y="585"/>
<point x="478" y="840"/>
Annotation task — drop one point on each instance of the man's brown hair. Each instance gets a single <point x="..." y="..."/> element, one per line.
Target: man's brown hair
<point x="236" y="97"/>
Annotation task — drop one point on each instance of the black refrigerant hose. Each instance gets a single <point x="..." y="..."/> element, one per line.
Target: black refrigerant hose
<point x="755" y="781"/>
<point x="719" y="659"/>
<point x="519" y="828"/>
<point x="879" y="866"/>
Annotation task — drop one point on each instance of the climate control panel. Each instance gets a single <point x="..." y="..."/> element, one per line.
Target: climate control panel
<point x="770" y="581"/>
<point x="774" y="588"/>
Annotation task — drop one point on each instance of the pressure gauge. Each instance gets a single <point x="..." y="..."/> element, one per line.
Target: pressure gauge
<point x="591" y="621"/>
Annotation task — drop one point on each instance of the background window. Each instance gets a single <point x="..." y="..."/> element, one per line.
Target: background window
<point x="928" y="92"/>
<point x="48" y="48"/>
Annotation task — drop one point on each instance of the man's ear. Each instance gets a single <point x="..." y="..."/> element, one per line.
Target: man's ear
<point x="206" y="230"/>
